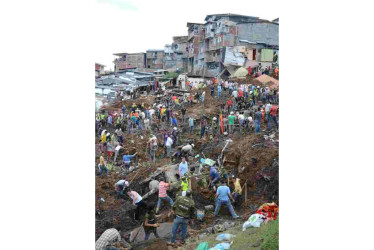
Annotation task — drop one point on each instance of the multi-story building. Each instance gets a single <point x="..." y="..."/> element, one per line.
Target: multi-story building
<point x="129" y="61"/>
<point x="195" y="38"/>
<point x="230" y="40"/>
<point x="99" y="69"/>
<point x="154" y="59"/>
<point x="175" y="58"/>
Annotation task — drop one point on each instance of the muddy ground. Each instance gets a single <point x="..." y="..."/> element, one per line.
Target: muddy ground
<point x="261" y="174"/>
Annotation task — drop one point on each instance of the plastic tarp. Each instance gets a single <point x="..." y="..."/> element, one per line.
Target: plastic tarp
<point x="241" y="72"/>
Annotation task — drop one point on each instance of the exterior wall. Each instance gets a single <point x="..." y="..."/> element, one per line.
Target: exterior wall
<point x="136" y="60"/>
<point x="259" y="32"/>
<point x="155" y="59"/>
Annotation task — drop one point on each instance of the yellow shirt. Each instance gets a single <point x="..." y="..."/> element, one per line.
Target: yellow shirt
<point x="103" y="138"/>
<point x="184" y="185"/>
<point x="101" y="160"/>
<point x="238" y="188"/>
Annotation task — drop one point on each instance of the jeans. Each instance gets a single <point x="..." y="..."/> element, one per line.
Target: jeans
<point x="168" y="149"/>
<point x="202" y="131"/>
<point x="219" y="203"/>
<point x="127" y="166"/>
<point x="103" y="168"/>
<point x="153" y="155"/>
<point x="274" y="118"/>
<point x="257" y="126"/>
<point x="191" y="129"/>
<point x="219" y="93"/>
<point x="171" y="202"/>
<point x="230" y="128"/>
<point x="148" y="233"/>
<point x="178" y="221"/>
<point x="215" y="180"/>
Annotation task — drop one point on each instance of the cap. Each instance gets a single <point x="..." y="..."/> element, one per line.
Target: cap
<point x="175" y="128"/>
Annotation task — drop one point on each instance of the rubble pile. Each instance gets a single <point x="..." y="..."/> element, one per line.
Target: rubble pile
<point x="256" y="167"/>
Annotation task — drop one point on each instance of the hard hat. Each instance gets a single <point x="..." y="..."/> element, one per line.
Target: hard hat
<point x="258" y="87"/>
<point x="193" y="145"/>
<point x="231" y="113"/>
<point x="175" y="128"/>
<point x="214" y="118"/>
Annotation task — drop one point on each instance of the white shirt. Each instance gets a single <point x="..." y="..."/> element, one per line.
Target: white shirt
<point x="138" y="197"/>
<point x="169" y="142"/>
<point x="241" y="117"/>
<point x="151" y="112"/>
<point x="187" y="148"/>
<point x="118" y="147"/>
<point x="142" y="115"/>
<point x="146" y="121"/>
<point x="123" y="183"/>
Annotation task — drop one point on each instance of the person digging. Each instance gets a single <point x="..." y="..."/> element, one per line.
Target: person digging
<point x="126" y="161"/>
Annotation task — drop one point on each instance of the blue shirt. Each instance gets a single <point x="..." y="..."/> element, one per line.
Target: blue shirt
<point x="190" y="121"/>
<point x="174" y="120"/>
<point x="223" y="193"/>
<point x="183" y="168"/>
<point x="126" y="158"/>
<point x="258" y="116"/>
<point x="213" y="173"/>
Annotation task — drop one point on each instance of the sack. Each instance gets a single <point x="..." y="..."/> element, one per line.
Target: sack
<point x="225" y="237"/>
<point x="200" y="214"/>
<point x="221" y="246"/>
<point x="203" y="246"/>
<point x="254" y="221"/>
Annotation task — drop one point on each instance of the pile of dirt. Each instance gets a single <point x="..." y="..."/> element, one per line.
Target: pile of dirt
<point x="266" y="81"/>
<point x="154" y="244"/>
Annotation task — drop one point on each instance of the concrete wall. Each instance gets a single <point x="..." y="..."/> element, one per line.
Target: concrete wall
<point x="259" y="32"/>
<point x="136" y="60"/>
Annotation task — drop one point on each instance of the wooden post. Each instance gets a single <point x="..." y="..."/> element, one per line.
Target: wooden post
<point x="246" y="188"/>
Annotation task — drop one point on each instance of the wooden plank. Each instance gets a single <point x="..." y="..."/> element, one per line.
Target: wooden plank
<point x="246" y="188"/>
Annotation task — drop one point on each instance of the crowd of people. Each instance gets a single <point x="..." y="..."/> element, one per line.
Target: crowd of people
<point x="247" y="107"/>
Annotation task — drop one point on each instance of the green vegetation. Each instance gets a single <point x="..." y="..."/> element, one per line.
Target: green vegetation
<point x="171" y="75"/>
<point x="270" y="234"/>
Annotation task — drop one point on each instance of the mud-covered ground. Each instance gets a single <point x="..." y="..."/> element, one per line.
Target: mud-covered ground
<point x="258" y="167"/>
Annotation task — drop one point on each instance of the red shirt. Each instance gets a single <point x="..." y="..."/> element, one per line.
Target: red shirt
<point x="273" y="110"/>
<point x="240" y="93"/>
<point x="229" y="103"/>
